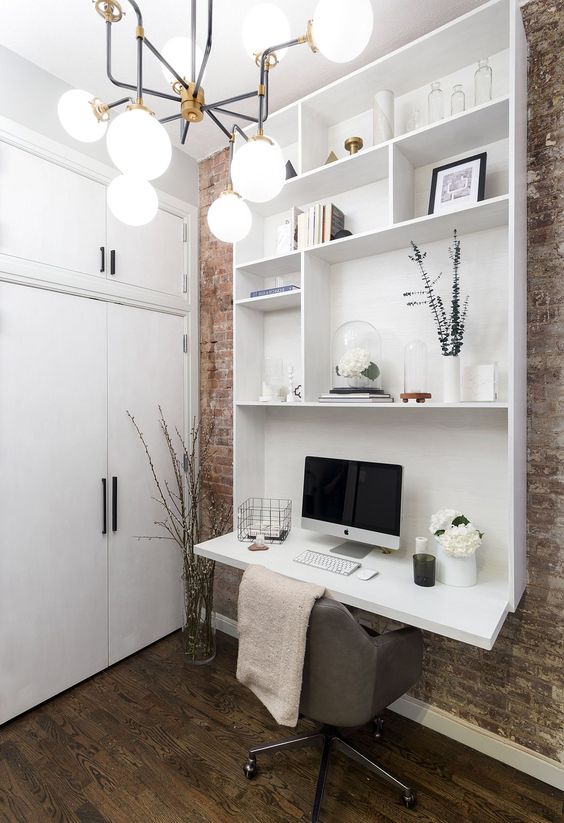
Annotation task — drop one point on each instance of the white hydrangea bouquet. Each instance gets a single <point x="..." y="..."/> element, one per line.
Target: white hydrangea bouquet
<point x="455" y="533"/>
<point x="357" y="363"/>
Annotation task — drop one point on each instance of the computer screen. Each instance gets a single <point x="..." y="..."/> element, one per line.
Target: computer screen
<point x="361" y="499"/>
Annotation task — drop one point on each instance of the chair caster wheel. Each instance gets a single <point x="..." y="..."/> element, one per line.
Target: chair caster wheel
<point x="378" y="727"/>
<point x="250" y="768"/>
<point x="409" y="800"/>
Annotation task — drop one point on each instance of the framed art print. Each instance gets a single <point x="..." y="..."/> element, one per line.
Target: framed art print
<point x="458" y="184"/>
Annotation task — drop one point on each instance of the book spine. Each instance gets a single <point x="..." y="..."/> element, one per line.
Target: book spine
<point x="275" y="290"/>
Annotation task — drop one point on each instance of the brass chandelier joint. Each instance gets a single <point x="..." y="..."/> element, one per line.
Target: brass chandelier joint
<point x="101" y="110"/>
<point x="110" y="10"/>
<point x="308" y="37"/>
<point x="139" y="32"/>
<point x="191" y="108"/>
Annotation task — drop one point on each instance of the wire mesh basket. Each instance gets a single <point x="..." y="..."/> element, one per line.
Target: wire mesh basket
<point x="263" y="515"/>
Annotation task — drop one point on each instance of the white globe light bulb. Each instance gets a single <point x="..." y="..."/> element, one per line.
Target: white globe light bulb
<point x="139" y="145"/>
<point x="77" y="116"/>
<point x="178" y="52"/>
<point x="265" y="25"/>
<point x="341" y="31"/>
<point x="229" y="217"/>
<point x="259" y="170"/>
<point x="132" y="200"/>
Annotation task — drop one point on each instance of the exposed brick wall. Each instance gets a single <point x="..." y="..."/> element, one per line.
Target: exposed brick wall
<point x="216" y="354"/>
<point x="516" y="690"/>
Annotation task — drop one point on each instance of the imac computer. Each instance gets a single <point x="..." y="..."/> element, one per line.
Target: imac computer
<point x="354" y="499"/>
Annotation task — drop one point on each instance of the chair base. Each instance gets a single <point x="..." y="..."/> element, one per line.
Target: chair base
<point x="328" y="738"/>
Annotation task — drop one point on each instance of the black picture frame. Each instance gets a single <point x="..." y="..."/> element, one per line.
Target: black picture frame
<point x="482" y="158"/>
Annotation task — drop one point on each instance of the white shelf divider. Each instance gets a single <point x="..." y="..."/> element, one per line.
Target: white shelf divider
<point x="273" y="302"/>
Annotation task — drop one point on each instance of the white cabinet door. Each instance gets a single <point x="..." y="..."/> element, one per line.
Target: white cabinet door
<point x="53" y="434"/>
<point x="49" y="214"/>
<point x="151" y="256"/>
<point x="146" y="369"/>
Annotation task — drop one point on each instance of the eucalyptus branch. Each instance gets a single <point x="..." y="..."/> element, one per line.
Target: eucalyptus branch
<point x="450" y="326"/>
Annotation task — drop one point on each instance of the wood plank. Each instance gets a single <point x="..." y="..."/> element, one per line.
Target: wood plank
<point x="154" y="738"/>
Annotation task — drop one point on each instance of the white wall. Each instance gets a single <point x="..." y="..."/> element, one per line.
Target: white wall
<point x="29" y="96"/>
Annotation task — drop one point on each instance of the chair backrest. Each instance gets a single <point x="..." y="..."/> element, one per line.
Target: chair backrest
<point x="349" y="676"/>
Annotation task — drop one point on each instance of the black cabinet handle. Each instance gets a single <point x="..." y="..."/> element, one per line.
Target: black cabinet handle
<point x="114" y="504"/>
<point x="104" y="511"/>
<point x="102" y="258"/>
<point x="112" y="261"/>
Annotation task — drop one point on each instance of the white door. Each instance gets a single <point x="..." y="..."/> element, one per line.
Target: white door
<point x="151" y="256"/>
<point x="49" y="214"/>
<point x="146" y="368"/>
<point x="53" y="434"/>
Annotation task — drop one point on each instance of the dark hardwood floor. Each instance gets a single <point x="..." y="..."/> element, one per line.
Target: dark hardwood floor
<point x="155" y="739"/>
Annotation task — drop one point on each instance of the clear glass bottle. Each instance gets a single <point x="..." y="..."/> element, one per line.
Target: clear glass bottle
<point x="415" y="368"/>
<point x="457" y="99"/>
<point x="435" y="103"/>
<point x="413" y="120"/>
<point x="483" y="82"/>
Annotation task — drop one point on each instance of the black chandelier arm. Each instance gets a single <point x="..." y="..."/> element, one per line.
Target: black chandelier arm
<point x="235" y="130"/>
<point x="120" y="102"/>
<point x="264" y="69"/>
<point x="165" y="63"/>
<point x="207" y="49"/>
<point x="129" y="86"/>
<point x="236" y="99"/>
<point x="219" y="124"/>
<point x="193" y="21"/>
<point x="170" y="119"/>
<point x="184" y="131"/>
<point x="237" y="114"/>
<point x="137" y="11"/>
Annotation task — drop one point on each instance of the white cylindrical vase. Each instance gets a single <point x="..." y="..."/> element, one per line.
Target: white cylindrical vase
<point x="383" y="116"/>
<point x="451" y="379"/>
<point x="456" y="571"/>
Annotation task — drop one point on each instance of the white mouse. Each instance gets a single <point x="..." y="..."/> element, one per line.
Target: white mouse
<point x="366" y="574"/>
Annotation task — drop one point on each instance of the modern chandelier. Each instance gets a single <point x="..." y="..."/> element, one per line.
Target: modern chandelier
<point x="138" y="143"/>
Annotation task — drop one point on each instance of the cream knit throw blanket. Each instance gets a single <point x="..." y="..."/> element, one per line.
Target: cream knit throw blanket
<point x="273" y="618"/>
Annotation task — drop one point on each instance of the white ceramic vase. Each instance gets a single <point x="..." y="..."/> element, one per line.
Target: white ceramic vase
<point x="451" y="379"/>
<point x="456" y="571"/>
<point x="383" y="116"/>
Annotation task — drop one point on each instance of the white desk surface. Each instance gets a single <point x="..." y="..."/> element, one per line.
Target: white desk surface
<point x="472" y="615"/>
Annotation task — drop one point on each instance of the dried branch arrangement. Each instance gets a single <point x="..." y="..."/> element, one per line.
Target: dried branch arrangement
<point x="450" y="327"/>
<point x="191" y="512"/>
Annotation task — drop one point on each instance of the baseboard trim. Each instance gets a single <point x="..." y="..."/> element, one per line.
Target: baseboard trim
<point x="493" y="745"/>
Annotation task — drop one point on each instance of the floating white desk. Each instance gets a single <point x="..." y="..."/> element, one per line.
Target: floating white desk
<point x="472" y="615"/>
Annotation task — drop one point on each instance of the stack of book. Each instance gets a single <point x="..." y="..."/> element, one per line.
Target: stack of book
<point x="318" y="224"/>
<point x="366" y="397"/>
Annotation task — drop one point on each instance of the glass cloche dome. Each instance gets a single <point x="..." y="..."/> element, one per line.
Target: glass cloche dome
<point x="357" y="356"/>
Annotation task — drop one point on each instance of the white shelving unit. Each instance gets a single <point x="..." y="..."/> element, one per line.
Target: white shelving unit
<point x="469" y="456"/>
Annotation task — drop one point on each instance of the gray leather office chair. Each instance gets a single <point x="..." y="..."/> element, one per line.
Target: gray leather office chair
<point x="349" y="679"/>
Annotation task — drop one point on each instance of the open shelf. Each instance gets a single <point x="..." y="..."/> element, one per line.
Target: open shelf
<point x="467" y="455"/>
<point x="368" y="166"/>
<point x="395" y="405"/>
<point x="276" y="266"/>
<point x="483" y="124"/>
<point x="482" y="216"/>
<point x="273" y="302"/>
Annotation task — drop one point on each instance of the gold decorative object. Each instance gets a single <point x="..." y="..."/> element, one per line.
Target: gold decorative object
<point x="191" y="107"/>
<point x="110" y="10"/>
<point x="331" y="158"/>
<point x="354" y="144"/>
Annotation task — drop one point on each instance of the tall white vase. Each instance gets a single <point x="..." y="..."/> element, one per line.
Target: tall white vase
<point x="451" y="379"/>
<point x="383" y="116"/>
<point x="456" y="571"/>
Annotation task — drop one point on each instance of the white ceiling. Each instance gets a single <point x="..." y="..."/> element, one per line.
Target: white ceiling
<point x="67" y="39"/>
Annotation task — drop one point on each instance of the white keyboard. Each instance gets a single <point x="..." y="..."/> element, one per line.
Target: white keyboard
<point x="337" y="565"/>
